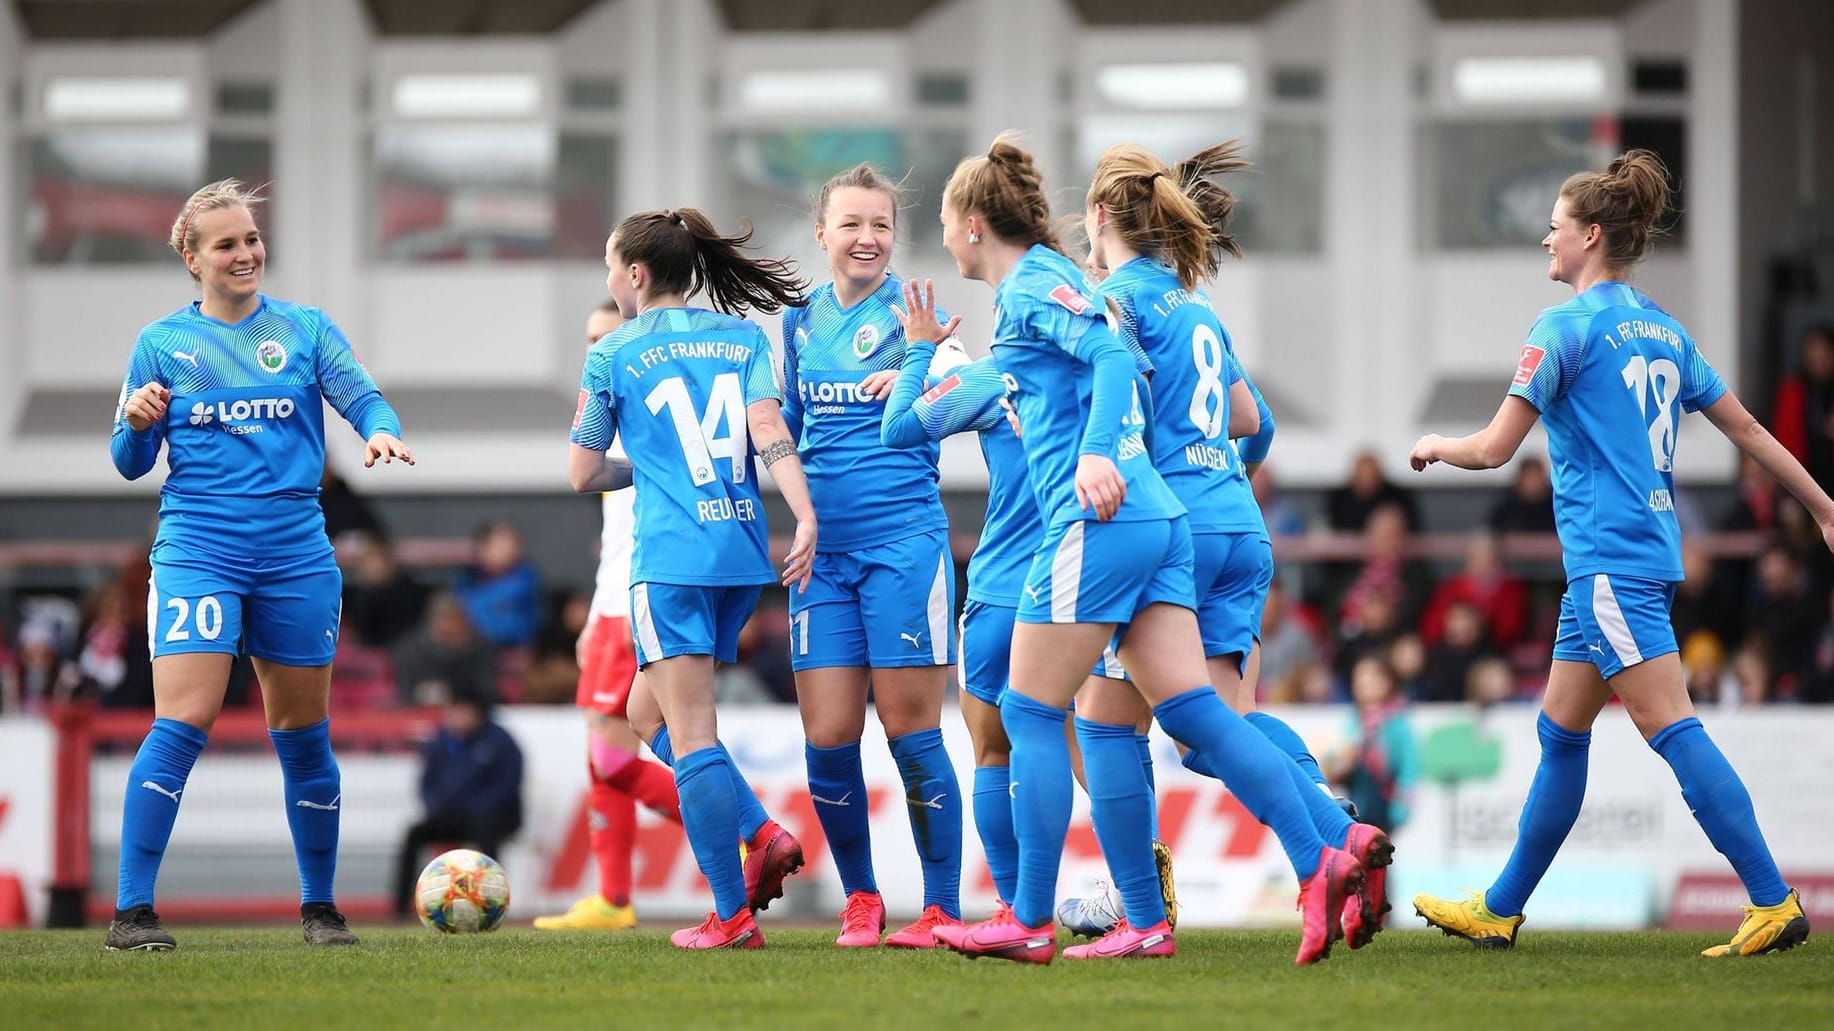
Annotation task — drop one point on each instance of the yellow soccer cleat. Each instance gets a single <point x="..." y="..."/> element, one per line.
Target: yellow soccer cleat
<point x="591" y="913"/>
<point x="1168" y="889"/>
<point x="1767" y="929"/>
<point x="1471" y="920"/>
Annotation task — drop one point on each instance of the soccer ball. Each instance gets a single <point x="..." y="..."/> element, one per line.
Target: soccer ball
<point x="462" y="891"/>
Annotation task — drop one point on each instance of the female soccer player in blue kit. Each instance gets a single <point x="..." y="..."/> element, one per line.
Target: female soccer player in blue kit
<point x="1161" y="232"/>
<point x="232" y="385"/>
<point x="1610" y="374"/>
<point x="690" y="392"/>
<point x="879" y="604"/>
<point x="1115" y="561"/>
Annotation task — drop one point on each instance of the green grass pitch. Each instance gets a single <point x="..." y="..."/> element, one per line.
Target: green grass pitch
<point x="517" y="977"/>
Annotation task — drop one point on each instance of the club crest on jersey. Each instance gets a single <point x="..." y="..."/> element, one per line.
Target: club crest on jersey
<point x="865" y="341"/>
<point x="1068" y="296"/>
<point x="271" y="355"/>
<point x="1529" y="362"/>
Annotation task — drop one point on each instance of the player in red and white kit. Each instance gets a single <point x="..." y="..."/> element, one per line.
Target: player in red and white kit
<point x="608" y="666"/>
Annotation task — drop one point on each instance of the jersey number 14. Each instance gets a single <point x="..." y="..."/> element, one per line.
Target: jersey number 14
<point x="700" y="433"/>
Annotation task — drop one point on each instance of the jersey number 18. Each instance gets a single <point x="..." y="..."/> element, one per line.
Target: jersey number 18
<point x="1657" y="384"/>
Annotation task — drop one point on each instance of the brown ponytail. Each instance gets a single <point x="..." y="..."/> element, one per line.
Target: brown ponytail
<point x="1003" y="186"/>
<point x="1178" y="215"/>
<point x="686" y="255"/>
<point x="1626" y="201"/>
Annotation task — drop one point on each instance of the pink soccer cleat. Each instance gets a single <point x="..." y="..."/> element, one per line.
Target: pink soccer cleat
<point x="1127" y="942"/>
<point x="1321" y="903"/>
<point x="922" y="934"/>
<point x="1365" y="911"/>
<point x="771" y="856"/>
<point x="1002" y="937"/>
<point x="740" y="932"/>
<point x="862" y="921"/>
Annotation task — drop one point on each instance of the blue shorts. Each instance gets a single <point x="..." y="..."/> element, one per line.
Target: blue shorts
<point x="886" y="606"/>
<point x="283" y="610"/>
<point x="1094" y="572"/>
<point x="667" y="620"/>
<point x="987" y="649"/>
<point x="1615" y="622"/>
<point x="1233" y="573"/>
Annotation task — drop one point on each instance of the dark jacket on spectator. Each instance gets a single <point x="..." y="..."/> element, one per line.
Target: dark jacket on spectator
<point x="479" y="777"/>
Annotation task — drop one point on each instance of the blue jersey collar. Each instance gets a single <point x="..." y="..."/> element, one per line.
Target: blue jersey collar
<point x="197" y="310"/>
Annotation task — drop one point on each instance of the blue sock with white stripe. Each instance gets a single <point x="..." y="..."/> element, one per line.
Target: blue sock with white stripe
<point x="1721" y="806"/>
<point x="313" y="793"/>
<point x="1143" y="745"/>
<point x="1120" y="806"/>
<point x="751" y="810"/>
<point x="993" y="820"/>
<point x="1553" y="804"/>
<point x="1041" y="789"/>
<point x="710" y="814"/>
<point x="155" y="783"/>
<point x="837" y="787"/>
<point x="934" y="799"/>
<point x="1332" y="822"/>
<point x="1251" y="766"/>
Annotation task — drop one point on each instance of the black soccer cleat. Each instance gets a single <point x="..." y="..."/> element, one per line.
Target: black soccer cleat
<point x="137" y="930"/>
<point x="324" y="925"/>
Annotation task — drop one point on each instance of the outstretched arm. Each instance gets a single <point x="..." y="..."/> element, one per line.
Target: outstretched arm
<point x="1488" y="448"/>
<point x="591" y="472"/>
<point x="1728" y="414"/>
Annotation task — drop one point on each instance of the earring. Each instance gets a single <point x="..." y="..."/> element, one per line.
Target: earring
<point x="973" y="237"/>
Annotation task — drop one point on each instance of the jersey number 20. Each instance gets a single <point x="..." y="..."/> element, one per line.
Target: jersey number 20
<point x="1656" y="384"/>
<point x="696" y="431"/>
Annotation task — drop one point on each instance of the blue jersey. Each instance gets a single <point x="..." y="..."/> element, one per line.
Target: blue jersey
<point x="864" y="492"/>
<point x="1076" y="390"/>
<point x="969" y="397"/>
<point x="245" y="428"/>
<point x="1611" y="374"/>
<point x="674" y="385"/>
<point x="1194" y="367"/>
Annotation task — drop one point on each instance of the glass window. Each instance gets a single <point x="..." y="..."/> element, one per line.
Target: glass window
<point x="491" y="192"/>
<point x="1488" y="184"/>
<point x="108" y="196"/>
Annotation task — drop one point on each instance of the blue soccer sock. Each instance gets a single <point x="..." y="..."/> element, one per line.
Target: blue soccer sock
<point x="1284" y="738"/>
<point x="155" y="782"/>
<point x="1120" y="805"/>
<point x="1041" y="788"/>
<point x="1332" y="822"/>
<point x="710" y="814"/>
<point x="993" y="819"/>
<point x="1553" y="804"/>
<point x="837" y="787"/>
<point x="1143" y="745"/>
<point x="934" y="799"/>
<point x="751" y="811"/>
<point x="1252" y="768"/>
<point x="1721" y="806"/>
<point x="314" y="793"/>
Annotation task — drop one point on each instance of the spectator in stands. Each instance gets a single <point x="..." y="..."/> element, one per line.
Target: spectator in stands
<point x="1706" y="601"/>
<point x="1408" y="658"/>
<point x="40" y="674"/>
<point x="1760" y="500"/>
<point x="1529" y="505"/>
<point x="382" y="602"/>
<point x="764" y="648"/>
<point x="1703" y="664"/>
<point x="344" y="510"/>
<point x="500" y="590"/>
<point x="1386" y="569"/>
<point x="1292" y="646"/>
<point x="1350" y="507"/>
<point x="1377" y="768"/>
<point x="1282" y="516"/>
<point x="1372" y="631"/>
<point x="1815" y="684"/>
<point x="1490" y="682"/>
<point x="118" y="626"/>
<point x="1802" y="413"/>
<point x="1461" y="646"/>
<point x="470" y="787"/>
<point x="552" y="677"/>
<point x="1786" y="615"/>
<point x="1751" y="672"/>
<point x="1501" y="600"/>
<point x="445" y="658"/>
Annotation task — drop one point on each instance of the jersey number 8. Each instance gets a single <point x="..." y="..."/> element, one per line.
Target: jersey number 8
<point x="1210" y="400"/>
<point x="699" y="445"/>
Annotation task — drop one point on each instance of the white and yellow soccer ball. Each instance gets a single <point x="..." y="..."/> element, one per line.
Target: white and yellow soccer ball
<point x="462" y="892"/>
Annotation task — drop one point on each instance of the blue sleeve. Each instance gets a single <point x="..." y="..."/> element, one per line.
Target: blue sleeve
<point x="1549" y="363"/>
<point x="347" y="385"/>
<point x="1086" y="337"/>
<point x="760" y="379"/>
<point x="1126" y="326"/>
<point x="1700" y="384"/>
<point x="792" y="397"/>
<point x="966" y="399"/>
<point x="595" y="421"/>
<point x="136" y="452"/>
<point x="1254" y="447"/>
